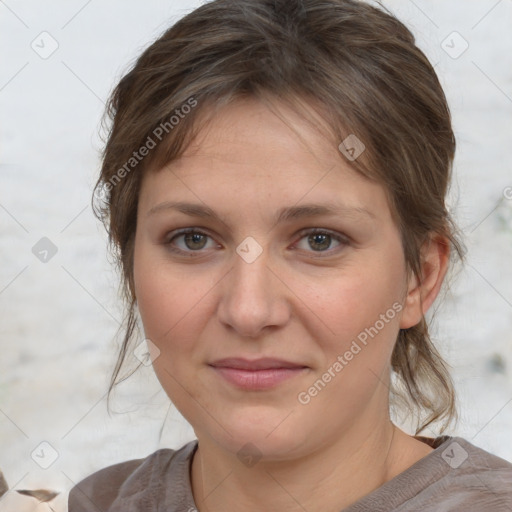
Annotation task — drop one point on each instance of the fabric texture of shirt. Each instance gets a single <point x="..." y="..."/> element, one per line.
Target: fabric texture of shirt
<point x="455" y="476"/>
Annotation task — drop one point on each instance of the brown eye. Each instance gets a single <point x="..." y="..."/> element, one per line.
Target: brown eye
<point x="321" y="241"/>
<point x="194" y="240"/>
<point x="188" y="241"/>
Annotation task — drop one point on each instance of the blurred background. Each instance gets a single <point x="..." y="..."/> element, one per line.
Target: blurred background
<point x="59" y="304"/>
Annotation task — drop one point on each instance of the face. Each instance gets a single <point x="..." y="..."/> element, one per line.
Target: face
<point x="276" y="313"/>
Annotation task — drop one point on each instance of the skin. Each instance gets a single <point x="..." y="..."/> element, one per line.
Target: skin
<point x="302" y="300"/>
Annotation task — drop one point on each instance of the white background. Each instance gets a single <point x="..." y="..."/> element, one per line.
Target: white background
<point x="58" y="319"/>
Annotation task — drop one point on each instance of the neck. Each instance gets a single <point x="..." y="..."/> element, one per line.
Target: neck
<point x="329" y="479"/>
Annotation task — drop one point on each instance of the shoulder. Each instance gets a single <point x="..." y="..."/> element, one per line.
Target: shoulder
<point x="99" y="491"/>
<point x="475" y="478"/>
<point x="471" y="459"/>
<point x="456" y="475"/>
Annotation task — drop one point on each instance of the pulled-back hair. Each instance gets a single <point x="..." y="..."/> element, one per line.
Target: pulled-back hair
<point x="359" y="67"/>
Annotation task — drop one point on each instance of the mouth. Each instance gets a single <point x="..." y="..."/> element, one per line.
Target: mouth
<point x="258" y="374"/>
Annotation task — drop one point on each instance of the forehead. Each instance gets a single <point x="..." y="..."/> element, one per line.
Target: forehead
<point x="249" y="153"/>
<point x="237" y="132"/>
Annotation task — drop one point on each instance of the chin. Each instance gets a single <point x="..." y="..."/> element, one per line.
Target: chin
<point x="267" y="432"/>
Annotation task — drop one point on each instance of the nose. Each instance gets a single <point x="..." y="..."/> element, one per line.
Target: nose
<point x="254" y="298"/>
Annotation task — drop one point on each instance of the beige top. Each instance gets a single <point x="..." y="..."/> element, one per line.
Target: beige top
<point x="455" y="476"/>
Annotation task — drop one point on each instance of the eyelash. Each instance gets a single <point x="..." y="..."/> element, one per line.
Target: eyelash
<point x="342" y="240"/>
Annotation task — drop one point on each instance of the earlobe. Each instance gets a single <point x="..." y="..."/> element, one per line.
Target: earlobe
<point x="421" y="294"/>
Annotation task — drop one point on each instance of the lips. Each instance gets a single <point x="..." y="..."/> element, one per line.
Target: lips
<point x="256" y="375"/>
<point x="256" y="364"/>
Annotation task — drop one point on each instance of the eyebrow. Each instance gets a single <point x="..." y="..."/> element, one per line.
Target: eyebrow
<point x="285" y="214"/>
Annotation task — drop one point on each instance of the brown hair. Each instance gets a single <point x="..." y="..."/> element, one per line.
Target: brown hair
<point x="359" y="67"/>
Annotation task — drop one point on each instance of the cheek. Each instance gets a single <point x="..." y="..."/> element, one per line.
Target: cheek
<point x="356" y="297"/>
<point x="362" y="308"/>
<point x="171" y="300"/>
<point x="169" y="311"/>
<point x="164" y="306"/>
<point x="157" y="291"/>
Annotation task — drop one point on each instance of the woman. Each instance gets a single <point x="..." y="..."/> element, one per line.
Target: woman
<point x="274" y="185"/>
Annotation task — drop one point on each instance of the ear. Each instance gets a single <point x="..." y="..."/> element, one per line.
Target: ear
<point x="435" y="256"/>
